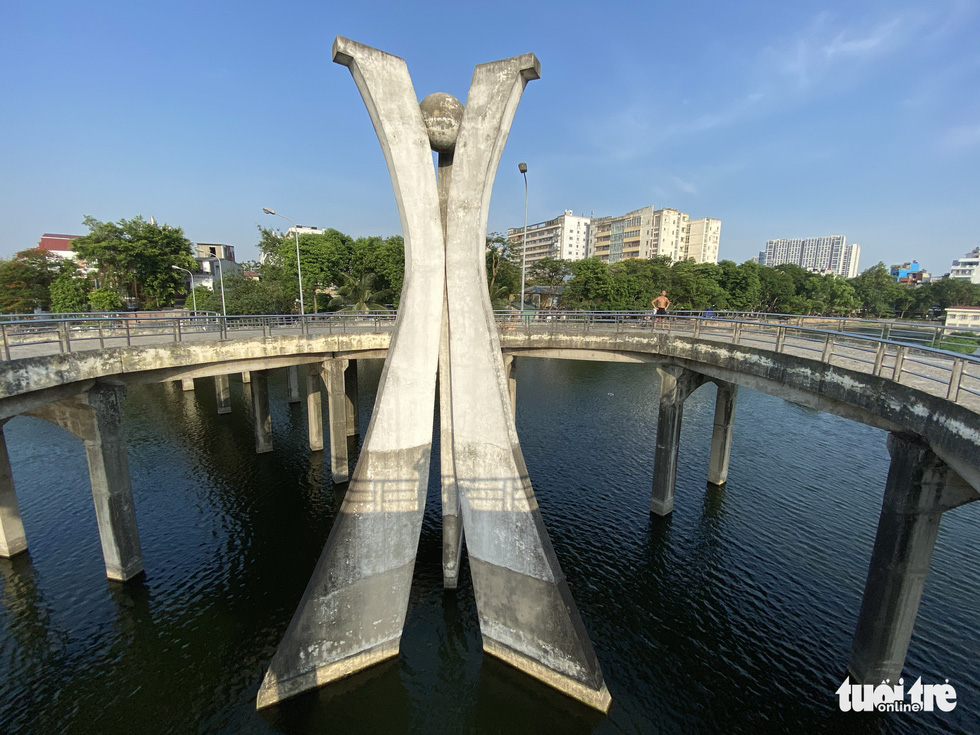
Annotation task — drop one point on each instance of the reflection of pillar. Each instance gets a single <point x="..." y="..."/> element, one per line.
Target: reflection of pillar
<point x="314" y="410"/>
<point x="13" y="540"/>
<point x="676" y="384"/>
<point x="261" y="419"/>
<point x="721" y="434"/>
<point x="292" y="384"/>
<point x="353" y="408"/>
<point x="511" y="376"/>
<point x="919" y="488"/>
<point x="333" y="378"/>
<point x="187" y="384"/>
<point x="222" y="394"/>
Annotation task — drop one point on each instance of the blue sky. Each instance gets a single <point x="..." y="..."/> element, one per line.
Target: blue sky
<point x="782" y="119"/>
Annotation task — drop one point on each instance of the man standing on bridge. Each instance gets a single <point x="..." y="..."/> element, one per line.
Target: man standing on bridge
<point x="660" y="304"/>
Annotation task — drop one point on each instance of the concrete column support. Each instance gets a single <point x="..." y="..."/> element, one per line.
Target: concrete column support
<point x="920" y="487"/>
<point x="13" y="540"/>
<point x="676" y="384"/>
<point x="292" y="384"/>
<point x="222" y="394"/>
<point x="314" y="410"/>
<point x="452" y="525"/>
<point x="187" y="384"/>
<point x="721" y="433"/>
<point x="333" y="379"/>
<point x="246" y="377"/>
<point x="261" y="418"/>
<point x="353" y="407"/>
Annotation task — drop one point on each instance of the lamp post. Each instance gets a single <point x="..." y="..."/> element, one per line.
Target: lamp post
<point x="522" y="167"/>
<point x="299" y="270"/>
<point x="193" y="295"/>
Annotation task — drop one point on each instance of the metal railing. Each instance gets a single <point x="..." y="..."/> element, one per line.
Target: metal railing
<point x="884" y="349"/>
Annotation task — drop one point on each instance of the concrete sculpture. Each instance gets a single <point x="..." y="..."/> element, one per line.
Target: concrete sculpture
<point x="352" y="613"/>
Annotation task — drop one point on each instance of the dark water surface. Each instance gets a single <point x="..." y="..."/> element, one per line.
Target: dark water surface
<point x="735" y="614"/>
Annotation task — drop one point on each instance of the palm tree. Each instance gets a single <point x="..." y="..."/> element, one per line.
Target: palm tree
<point x="358" y="294"/>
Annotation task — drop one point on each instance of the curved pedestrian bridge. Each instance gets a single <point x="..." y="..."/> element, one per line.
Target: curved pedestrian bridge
<point x="75" y="373"/>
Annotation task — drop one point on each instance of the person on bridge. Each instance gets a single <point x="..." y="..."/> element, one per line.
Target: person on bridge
<point x="661" y="303"/>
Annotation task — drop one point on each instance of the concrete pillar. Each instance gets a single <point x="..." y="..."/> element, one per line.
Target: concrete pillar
<point x="246" y="377"/>
<point x="261" y="418"/>
<point x="511" y="377"/>
<point x="676" y="384"/>
<point x="222" y="394"/>
<point x="112" y="490"/>
<point x="292" y="384"/>
<point x="13" y="540"/>
<point x="917" y="491"/>
<point x="314" y="410"/>
<point x="333" y="378"/>
<point x="721" y="434"/>
<point x="353" y="407"/>
<point x="187" y="384"/>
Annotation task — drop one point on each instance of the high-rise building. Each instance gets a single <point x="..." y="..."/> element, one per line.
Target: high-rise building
<point x="565" y="237"/>
<point x="967" y="268"/>
<point x="649" y="232"/>
<point x="821" y="254"/>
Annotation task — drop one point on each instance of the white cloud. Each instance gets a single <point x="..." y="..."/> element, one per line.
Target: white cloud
<point x="962" y="136"/>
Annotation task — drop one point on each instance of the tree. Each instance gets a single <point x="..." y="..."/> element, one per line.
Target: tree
<point x="591" y="286"/>
<point x="105" y="299"/>
<point x="503" y="274"/>
<point x="877" y="291"/>
<point x="359" y="294"/>
<point x="137" y="257"/>
<point x="25" y="281"/>
<point x="69" y="293"/>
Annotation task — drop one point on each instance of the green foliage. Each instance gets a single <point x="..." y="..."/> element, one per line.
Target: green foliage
<point x="964" y="342"/>
<point x="503" y="273"/>
<point x="25" y="281"/>
<point x="359" y="294"/>
<point x="105" y="299"/>
<point x="136" y="256"/>
<point x="69" y="294"/>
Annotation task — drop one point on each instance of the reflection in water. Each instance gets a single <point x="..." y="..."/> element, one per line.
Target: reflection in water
<point x="734" y="614"/>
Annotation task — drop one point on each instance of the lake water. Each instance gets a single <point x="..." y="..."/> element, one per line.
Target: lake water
<point x="735" y="614"/>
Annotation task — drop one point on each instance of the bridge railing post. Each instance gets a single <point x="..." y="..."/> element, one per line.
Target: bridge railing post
<point x="899" y="361"/>
<point x="224" y="327"/>
<point x="780" y="338"/>
<point x="6" y="342"/>
<point x="101" y="334"/>
<point x="879" y="358"/>
<point x="129" y="341"/>
<point x="955" y="378"/>
<point x="177" y="332"/>
<point x="828" y="348"/>
<point x="64" y="341"/>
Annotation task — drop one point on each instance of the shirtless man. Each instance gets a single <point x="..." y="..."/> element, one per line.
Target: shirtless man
<point x="660" y="304"/>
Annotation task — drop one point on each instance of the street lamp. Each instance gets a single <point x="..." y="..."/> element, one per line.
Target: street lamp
<point x="522" y="167"/>
<point x="299" y="271"/>
<point x="193" y="295"/>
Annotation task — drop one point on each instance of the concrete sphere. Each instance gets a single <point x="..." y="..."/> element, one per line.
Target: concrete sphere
<point x="442" y="114"/>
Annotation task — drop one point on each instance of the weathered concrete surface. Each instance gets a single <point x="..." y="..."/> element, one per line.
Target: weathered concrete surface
<point x="721" y="432"/>
<point x="222" y="394"/>
<point x="314" y="408"/>
<point x="527" y="615"/>
<point x="292" y="384"/>
<point x="337" y="413"/>
<point x="13" y="540"/>
<point x="353" y="610"/>
<point x="95" y="417"/>
<point x="919" y="489"/>
<point x="676" y="384"/>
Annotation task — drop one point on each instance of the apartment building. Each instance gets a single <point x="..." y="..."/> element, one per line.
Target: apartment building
<point x="565" y="237"/>
<point x="967" y="268"/>
<point x="828" y="254"/>
<point x="649" y="232"/>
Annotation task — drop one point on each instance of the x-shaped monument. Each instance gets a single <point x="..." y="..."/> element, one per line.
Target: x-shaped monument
<point x="353" y="611"/>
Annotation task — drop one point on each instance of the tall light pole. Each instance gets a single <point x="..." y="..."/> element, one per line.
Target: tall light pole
<point x="299" y="270"/>
<point x="522" y="167"/>
<point x="222" y="277"/>
<point x="193" y="295"/>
